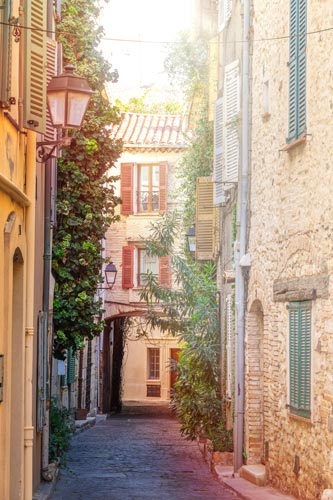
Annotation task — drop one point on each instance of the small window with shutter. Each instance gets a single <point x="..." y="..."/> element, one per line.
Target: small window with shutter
<point x="34" y="98"/>
<point x="137" y="263"/>
<point x="297" y="70"/>
<point x="143" y="188"/>
<point x="204" y="224"/>
<point x="218" y="152"/>
<point x="300" y="358"/>
<point x="231" y="122"/>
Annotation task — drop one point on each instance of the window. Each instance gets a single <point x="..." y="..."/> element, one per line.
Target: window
<point x="204" y="219"/>
<point x="147" y="264"/>
<point x="153" y="363"/>
<point x="226" y="140"/>
<point x="297" y="70"/>
<point x="300" y="358"/>
<point x="148" y="188"/>
<point x="153" y="391"/>
<point x="143" y="188"/>
<point x="136" y="263"/>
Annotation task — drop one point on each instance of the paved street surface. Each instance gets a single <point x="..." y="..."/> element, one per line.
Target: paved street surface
<point x="136" y="457"/>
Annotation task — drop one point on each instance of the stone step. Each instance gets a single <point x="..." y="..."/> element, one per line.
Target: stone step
<point x="256" y="474"/>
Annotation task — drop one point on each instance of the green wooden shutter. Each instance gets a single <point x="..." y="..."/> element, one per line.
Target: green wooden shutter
<point x="300" y="358"/>
<point x="297" y="70"/>
<point x="6" y="39"/>
<point x="34" y="105"/>
<point x="70" y="366"/>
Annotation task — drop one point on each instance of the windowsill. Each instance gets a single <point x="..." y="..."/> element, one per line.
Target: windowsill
<point x="298" y="418"/>
<point x="294" y="144"/>
<point x="154" y="212"/>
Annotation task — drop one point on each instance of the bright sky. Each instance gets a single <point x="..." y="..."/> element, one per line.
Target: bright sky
<point x="141" y="64"/>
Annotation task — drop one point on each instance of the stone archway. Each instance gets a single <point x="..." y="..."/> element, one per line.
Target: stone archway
<point x="254" y="384"/>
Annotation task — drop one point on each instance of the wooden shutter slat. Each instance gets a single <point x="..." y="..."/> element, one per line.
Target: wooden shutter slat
<point x="34" y="105"/>
<point x="127" y="266"/>
<point x="126" y="180"/>
<point x="163" y="186"/>
<point x="51" y="57"/>
<point x="218" y="151"/>
<point x="297" y="70"/>
<point x="164" y="271"/>
<point x="204" y="219"/>
<point x="231" y="114"/>
<point x="300" y="358"/>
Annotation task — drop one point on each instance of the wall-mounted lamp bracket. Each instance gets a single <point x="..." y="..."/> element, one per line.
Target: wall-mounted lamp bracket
<point x="44" y="155"/>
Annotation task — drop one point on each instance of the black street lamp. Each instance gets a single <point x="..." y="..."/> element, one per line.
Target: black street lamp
<point x="110" y="275"/>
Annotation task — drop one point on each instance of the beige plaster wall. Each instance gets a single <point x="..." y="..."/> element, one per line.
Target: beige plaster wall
<point x="291" y="237"/>
<point x="135" y="370"/>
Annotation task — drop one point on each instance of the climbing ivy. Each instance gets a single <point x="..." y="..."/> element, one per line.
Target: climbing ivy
<point x="85" y="192"/>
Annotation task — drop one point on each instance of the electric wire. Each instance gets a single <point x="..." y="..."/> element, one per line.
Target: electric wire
<point x="166" y="42"/>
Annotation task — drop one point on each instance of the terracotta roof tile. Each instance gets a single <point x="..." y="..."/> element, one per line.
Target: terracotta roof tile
<point x="151" y="131"/>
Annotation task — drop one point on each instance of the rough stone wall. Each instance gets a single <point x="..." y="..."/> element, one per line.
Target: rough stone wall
<point x="290" y="238"/>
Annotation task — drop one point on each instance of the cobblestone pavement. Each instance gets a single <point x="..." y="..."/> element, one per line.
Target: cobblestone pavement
<point x="131" y="457"/>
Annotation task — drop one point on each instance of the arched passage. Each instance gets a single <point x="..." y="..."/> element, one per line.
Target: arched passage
<point x="254" y="409"/>
<point x="113" y="353"/>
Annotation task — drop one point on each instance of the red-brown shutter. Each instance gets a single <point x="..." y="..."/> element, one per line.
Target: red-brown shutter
<point x="126" y="179"/>
<point x="164" y="271"/>
<point x="163" y="186"/>
<point x="127" y="267"/>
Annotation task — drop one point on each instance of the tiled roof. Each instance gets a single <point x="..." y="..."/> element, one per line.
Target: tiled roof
<point x="151" y="131"/>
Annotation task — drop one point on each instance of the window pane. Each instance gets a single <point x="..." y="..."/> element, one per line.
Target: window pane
<point x="148" y="188"/>
<point x="153" y="363"/>
<point x="156" y="176"/>
<point x="147" y="264"/>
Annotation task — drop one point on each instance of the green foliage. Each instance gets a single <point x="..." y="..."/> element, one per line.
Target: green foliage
<point x="189" y="311"/>
<point x="197" y="161"/>
<point x="60" y="432"/>
<point x="85" y="197"/>
<point x="143" y="104"/>
<point x="187" y="65"/>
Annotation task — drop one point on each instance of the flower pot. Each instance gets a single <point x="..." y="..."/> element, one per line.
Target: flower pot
<point x="81" y="414"/>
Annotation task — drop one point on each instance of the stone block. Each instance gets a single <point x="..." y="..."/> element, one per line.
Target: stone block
<point x="327" y="495"/>
<point x="256" y="474"/>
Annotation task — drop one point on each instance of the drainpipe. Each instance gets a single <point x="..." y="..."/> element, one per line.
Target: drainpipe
<point x="45" y="305"/>
<point x="29" y="327"/>
<point x="241" y="250"/>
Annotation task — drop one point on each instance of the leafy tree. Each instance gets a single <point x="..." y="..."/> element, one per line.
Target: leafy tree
<point x="142" y="105"/>
<point x="187" y="65"/>
<point x="189" y="311"/>
<point x="86" y="198"/>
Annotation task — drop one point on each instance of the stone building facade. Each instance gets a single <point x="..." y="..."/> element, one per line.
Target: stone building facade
<point x="138" y="370"/>
<point x="289" y="328"/>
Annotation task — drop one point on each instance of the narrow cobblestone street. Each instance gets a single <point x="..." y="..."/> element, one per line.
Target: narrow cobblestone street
<point x="136" y="457"/>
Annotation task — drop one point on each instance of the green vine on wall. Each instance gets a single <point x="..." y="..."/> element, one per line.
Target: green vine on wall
<point x="85" y="191"/>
